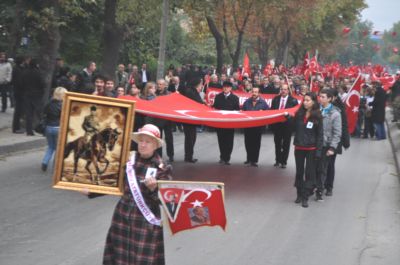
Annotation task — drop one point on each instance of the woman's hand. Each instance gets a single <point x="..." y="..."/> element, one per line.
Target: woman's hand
<point x="151" y="183"/>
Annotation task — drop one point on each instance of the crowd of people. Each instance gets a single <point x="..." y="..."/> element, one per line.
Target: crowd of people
<point x="319" y="126"/>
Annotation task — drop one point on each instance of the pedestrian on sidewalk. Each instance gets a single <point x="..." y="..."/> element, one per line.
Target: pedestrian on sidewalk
<point x="52" y="114"/>
<point x="5" y="80"/>
<point x="308" y="140"/>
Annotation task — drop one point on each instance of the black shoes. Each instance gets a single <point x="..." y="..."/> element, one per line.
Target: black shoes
<point x="277" y="164"/>
<point x="30" y="134"/>
<point x="246" y="162"/>
<point x="223" y="162"/>
<point x="171" y="159"/>
<point x="304" y="203"/>
<point x="328" y="192"/>
<point x="191" y="160"/>
<point x="298" y="200"/>
<point x="44" y="167"/>
<point x="318" y="196"/>
<point x="19" y="131"/>
<point x="253" y="164"/>
<point x="283" y="165"/>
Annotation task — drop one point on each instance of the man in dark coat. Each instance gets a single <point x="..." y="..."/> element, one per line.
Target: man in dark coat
<point x="378" y="110"/>
<point x="84" y="81"/>
<point x="19" y="93"/>
<point x="192" y="92"/>
<point x="226" y="100"/>
<point x="34" y="88"/>
<point x="282" y="130"/>
<point x="252" y="136"/>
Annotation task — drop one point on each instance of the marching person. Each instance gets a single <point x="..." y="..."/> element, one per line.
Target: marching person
<point x="344" y="142"/>
<point x="332" y="122"/>
<point x="226" y="100"/>
<point x="136" y="234"/>
<point x="378" y="110"/>
<point x="282" y="130"/>
<point x="252" y="136"/>
<point x="192" y="92"/>
<point x="308" y="141"/>
<point x="52" y="114"/>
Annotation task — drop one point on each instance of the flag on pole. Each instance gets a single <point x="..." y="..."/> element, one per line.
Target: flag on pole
<point x="190" y="205"/>
<point x="352" y="103"/>
<point x="246" y="65"/>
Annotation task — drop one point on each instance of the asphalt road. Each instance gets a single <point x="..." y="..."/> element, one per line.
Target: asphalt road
<point x="360" y="224"/>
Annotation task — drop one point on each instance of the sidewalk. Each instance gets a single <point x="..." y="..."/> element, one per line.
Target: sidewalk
<point x="11" y="142"/>
<point x="394" y="137"/>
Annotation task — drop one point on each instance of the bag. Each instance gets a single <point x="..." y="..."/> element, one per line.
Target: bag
<point x="41" y="127"/>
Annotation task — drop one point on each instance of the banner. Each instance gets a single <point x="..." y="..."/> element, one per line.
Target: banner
<point x="189" y="205"/>
<point x="178" y="108"/>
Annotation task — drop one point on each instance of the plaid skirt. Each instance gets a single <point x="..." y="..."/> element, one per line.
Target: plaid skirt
<point x="132" y="240"/>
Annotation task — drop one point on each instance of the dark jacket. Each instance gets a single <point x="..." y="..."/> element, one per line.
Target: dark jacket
<point x="84" y="83"/>
<point x="308" y="137"/>
<point x="33" y="82"/>
<point x="378" y="106"/>
<point x="290" y="103"/>
<point x="260" y="104"/>
<point x="52" y="113"/>
<point x="345" y="139"/>
<point x="229" y="103"/>
<point x="194" y="95"/>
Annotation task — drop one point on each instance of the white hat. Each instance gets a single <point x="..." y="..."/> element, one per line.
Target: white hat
<point x="150" y="130"/>
<point x="398" y="72"/>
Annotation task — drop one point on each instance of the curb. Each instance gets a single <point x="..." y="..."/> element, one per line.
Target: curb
<point x="394" y="133"/>
<point x="25" y="146"/>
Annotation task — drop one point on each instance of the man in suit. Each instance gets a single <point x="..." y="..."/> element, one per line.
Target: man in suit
<point x="192" y="92"/>
<point x="226" y="100"/>
<point x="144" y="75"/>
<point x="282" y="130"/>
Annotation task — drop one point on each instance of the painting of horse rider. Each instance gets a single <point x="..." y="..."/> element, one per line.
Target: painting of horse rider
<point x="95" y="143"/>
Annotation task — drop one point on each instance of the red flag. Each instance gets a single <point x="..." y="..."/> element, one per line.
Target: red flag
<point x="189" y="205"/>
<point x="313" y="64"/>
<point x="394" y="34"/>
<point x="246" y="65"/>
<point x="395" y="50"/>
<point x="306" y="62"/>
<point x="346" y="30"/>
<point x="267" y="69"/>
<point x="178" y="108"/>
<point x="352" y="102"/>
<point x="365" y="33"/>
<point x="387" y="81"/>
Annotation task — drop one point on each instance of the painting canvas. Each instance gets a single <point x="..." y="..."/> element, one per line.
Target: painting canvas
<point x="93" y="144"/>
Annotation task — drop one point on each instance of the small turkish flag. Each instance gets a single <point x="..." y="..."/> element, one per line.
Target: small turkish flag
<point x="352" y="102"/>
<point x="189" y="205"/>
<point x="346" y="30"/>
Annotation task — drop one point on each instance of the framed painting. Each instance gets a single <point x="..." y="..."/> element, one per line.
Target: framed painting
<point x="93" y="143"/>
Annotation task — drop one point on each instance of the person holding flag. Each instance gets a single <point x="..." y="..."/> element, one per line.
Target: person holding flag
<point x="226" y="100"/>
<point x="136" y="235"/>
<point x="308" y="140"/>
<point x="282" y="130"/>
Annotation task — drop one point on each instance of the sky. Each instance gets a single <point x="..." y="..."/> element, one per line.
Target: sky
<point x="383" y="13"/>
